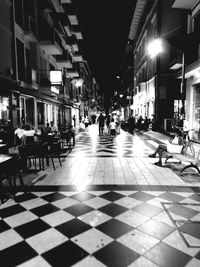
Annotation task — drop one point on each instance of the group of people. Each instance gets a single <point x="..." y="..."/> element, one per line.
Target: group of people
<point x="29" y="130"/>
<point x="22" y="132"/>
<point x="113" y="124"/>
<point x="139" y="123"/>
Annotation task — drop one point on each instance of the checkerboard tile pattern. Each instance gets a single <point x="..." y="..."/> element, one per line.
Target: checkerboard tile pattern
<point x="101" y="228"/>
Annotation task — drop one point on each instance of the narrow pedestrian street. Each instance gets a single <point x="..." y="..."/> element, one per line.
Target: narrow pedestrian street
<point x="108" y="205"/>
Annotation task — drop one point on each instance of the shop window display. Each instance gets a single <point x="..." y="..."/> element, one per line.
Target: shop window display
<point x="196" y="114"/>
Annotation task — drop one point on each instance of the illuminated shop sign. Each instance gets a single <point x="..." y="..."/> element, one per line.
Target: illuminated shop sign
<point x="56" y="77"/>
<point x="55" y="90"/>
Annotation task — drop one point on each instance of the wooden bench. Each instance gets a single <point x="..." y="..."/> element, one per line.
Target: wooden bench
<point x="189" y="155"/>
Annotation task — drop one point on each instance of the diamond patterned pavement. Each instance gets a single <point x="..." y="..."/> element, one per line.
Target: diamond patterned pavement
<point x="69" y="228"/>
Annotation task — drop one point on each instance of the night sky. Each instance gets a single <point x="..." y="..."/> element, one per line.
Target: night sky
<point x="105" y="27"/>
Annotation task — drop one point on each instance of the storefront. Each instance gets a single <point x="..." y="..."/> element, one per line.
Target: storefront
<point x="27" y="110"/>
<point x="196" y="113"/>
<point x="192" y="104"/>
<point x="75" y="112"/>
<point x="48" y="113"/>
<point x="9" y="115"/>
<point x="40" y="114"/>
<point x="4" y="109"/>
<point x="150" y="106"/>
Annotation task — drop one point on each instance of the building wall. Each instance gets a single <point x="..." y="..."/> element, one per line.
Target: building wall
<point x="6" y="37"/>
<point x="161" y="21"/>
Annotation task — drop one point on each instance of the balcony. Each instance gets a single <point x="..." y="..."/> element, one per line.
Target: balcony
<point x="68" y="30"/>
<point x="62" y="17"/>
<point x="176" y="61"/>
<point x="78" y="58"/>
<point x="72" y="43"/>
<point x="72" y="73"/>
<point x="184" y="4"/>
<point x="57" y="5"/>
<point x="77" y="32"/>
<point x="70" y="10"/>
<point x="64" y="61"/>
<point x="66" y="1"/>
<point x="50" y="41"/>
<point x="29" y="28"/>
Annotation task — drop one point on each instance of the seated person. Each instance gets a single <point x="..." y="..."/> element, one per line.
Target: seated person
<point x="3" y="135"/>
<point x="175" y="146"/>
<point x="47" y="129"/>
<point x="19" y="132"/>
<point x="29" y="131"/>
<point x="53" y="127"/>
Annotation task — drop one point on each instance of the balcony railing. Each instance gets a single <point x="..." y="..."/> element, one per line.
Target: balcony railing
<point x="49" y="37"/>
<point x="64" y="60"/>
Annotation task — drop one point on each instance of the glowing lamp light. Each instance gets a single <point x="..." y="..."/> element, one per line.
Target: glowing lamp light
<point x="155" y="47"/>
<point x="78" y="83"/>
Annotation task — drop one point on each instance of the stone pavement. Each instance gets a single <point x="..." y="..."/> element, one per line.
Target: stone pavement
<point x="108" y="205"/>
<point x="123" y="160"/>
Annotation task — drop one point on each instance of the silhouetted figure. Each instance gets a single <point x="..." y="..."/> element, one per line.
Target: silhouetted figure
<point x="101" y="121"/>
<point x="74" y="120"/>
<point x="47" y="129"/>
<point x="140" y="123"/>
<point x="131" y="124"/>
<point x="108" y="122"/>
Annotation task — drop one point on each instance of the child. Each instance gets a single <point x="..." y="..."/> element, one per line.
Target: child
<point x="112" y="127"/>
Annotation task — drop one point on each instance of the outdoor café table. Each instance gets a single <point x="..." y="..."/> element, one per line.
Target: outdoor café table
<point x="5" y="167"/>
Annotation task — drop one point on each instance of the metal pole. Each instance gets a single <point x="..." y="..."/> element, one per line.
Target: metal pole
<point x="183" y="86"/>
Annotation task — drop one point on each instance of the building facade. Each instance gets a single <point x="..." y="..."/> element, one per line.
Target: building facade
<point x="41" y="59"/>
<point x="191" y="74"/>
<point x="156" y="92"/>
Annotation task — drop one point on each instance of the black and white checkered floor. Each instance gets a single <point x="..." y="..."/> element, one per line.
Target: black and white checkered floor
<point x="101" y="226"/>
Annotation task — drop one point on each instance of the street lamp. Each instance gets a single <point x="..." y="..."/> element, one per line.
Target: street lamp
<point x="154" y="48"/>
<point x="78" y="83"/>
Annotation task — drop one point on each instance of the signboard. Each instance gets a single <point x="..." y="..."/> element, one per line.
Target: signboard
<point x="55" y="90"/>
<point x="56" y="77"/>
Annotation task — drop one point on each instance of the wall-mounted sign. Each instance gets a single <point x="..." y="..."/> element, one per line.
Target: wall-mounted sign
<point x="55" y="90"/>
<point x="56" y="77"/>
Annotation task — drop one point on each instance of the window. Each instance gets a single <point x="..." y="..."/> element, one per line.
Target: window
<point x="19" y="12"/>
<point x="4" y="108"/>
<point x="20" y="60"/>
<point x="196" y="113"/>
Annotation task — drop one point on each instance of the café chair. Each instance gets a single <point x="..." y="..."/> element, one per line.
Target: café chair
<point x="54" y="152"/>
<point x="11" y="173"/>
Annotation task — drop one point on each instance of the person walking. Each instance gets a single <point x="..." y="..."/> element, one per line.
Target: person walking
<point x="101" y="121"/>
<point x="74" y="120"/>
<point x="86" y="121"/>
<point x="108" y="123"/>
